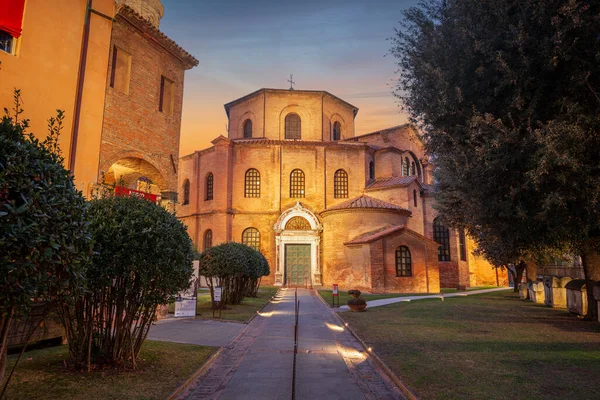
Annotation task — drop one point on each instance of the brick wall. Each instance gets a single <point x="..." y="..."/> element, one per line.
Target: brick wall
<point x="133" y="124"/>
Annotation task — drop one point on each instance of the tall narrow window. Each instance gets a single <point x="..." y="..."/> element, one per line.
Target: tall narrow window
<point x="462" y="244"/>
<point x="337" y="131"/>
<point x="371" y="169"/>
<point x="297" y="184"/>
<point x="442" y="236"/>
<point x="251" y="238"/>
<point x="293" y="127"/>
<point x="121" y="70"/>
<point x="207" y="239"/>
<point x="248" y="129"/>
<point x="415" y="198"/>
<point x="186" y="192"/>
<point x="405" y="167"/>
<point x="209" y="186"/>
<point x="403" y="262"/>
<point x="252" y="183"/>
<point x="412" y="169"/>
<point x="340" y="184"/>
<point x="167" y="96"/>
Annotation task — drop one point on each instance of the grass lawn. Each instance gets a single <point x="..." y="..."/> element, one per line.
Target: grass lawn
<point x="344" y="297"/>
<point x="162" y="368"/>
<point x="470" y="289"/>
<point x="488" y="346"/>
<point x="242" y="312"/>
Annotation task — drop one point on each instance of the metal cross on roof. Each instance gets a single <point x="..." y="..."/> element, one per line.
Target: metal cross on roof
<point x="291" y="81"/>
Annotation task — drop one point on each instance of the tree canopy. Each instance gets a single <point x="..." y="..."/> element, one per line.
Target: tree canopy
<point x="506" y="94"/>
<point x="44" y="236"/>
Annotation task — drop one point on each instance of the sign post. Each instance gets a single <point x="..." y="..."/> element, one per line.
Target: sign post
<point x="185" y="305"/>
<point x="217" y="300"/>
<point x="335" y="295"/>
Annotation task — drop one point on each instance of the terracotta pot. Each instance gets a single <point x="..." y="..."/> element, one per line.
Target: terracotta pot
<point x="357" y="307"/>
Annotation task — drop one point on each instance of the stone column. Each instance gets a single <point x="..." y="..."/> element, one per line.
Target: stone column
<point x="168" y="199"/>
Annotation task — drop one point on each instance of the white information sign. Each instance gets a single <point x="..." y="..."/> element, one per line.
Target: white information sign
<point x="185" y="305"/>
<point x="218" y="291"/>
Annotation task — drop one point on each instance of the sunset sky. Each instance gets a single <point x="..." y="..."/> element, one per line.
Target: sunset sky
<point x="333" y="45"/>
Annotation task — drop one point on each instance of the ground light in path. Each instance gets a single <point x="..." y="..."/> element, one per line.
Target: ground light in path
<point x="491" y="346"/>
<point x="162" y="368"/>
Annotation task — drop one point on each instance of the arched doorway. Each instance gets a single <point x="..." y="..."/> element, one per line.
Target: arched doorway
<point x="137" y="177"/>
<point x="298" y="237"/>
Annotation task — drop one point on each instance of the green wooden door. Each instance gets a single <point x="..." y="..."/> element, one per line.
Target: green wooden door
<point x="297" y="264"/>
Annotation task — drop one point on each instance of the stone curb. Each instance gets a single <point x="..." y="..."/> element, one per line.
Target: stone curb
<point x="203" y="368"/>
<point x="394" y="378"/>
<point x="208" y="363"/>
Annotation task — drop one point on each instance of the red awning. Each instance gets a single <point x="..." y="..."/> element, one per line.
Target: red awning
<point x="11" y="16"/>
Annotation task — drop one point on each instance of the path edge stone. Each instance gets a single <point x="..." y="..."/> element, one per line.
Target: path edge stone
<point x="208" y="363"/>
<point x="393" y="377"/>
<point x="203" y="368"/>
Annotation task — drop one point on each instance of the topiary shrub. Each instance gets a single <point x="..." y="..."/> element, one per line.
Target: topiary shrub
<point x="143" y="258"/>
<point x="44" y="237"/>
<point x="235" y="267"/>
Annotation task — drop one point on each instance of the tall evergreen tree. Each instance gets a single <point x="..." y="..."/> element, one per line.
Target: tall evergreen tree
<point x="507" y="94"/>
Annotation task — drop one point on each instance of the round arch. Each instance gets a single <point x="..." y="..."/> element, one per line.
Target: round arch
<point x="302" y="236"/>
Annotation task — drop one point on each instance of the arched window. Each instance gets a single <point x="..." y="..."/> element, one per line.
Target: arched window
<point x="442" y="236"/>
<point x="371" y="169"/>
<point x="209" y="186"/>
<point x="405" y="167"/>
<point x="462" y="244"/>
<point x="248" y="129"/>
<point x="403" y="262"/>
<point x="207" y="239"/>
<point x="415" y="198"/>
<point x="252" y="183"/>
<point x="412" y="169"/>
<point x="293" y="127"/>
<point x="340" y="184"/>
<point x="186" y="192"/>
<point x="337" y="131"/>
<point x="251" y="238"/>
<point x="297" y="184"/>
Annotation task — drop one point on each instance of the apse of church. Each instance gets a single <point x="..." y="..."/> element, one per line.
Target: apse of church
<point x="322" y="204"/>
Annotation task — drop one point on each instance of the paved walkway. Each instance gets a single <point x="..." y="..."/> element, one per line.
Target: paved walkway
<point x="195" y="331"/>
<point x="258" y="364"/>
<point x="385" y="302"/>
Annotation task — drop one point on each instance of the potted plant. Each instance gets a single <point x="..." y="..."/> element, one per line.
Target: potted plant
<point x="356" y="303"/>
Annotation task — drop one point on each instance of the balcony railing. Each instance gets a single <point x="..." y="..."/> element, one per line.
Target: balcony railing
<point x="123" y="191"/>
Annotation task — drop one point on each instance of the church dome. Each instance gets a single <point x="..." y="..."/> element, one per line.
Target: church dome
<point x="151" y="10"/>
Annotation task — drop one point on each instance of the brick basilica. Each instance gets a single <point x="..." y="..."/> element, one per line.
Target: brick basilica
<point x="325" y="205"/>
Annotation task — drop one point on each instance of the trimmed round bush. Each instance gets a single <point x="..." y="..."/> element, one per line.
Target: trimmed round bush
<point x="235" y="267"/>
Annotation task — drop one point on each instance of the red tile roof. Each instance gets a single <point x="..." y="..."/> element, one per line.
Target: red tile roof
<point x="366" y="202"/>
<point x="372" y="236"/>
<point x="390" y="182"/>
<point x="375" y="235"/>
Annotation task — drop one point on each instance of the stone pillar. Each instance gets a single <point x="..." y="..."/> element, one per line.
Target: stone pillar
<point x="559" y="293"/>
<point x="168" y="199"/>
<point x="537" y="288"/>
<point x="278" y="266"/>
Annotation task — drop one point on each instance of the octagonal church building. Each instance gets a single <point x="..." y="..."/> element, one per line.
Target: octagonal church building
<point x="322" y="204"/>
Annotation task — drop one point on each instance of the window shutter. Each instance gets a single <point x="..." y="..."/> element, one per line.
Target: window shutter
<point x="11" y="16"/>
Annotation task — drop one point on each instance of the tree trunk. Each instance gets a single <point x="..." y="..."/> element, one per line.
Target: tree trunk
<point x="5" y="322"/>
<point x="531" y="269"/>
<point x="590" y="260"/>
<point x="518" y="274"/>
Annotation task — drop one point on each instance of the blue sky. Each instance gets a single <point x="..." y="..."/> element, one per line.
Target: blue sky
<point x="338" y="46"/>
